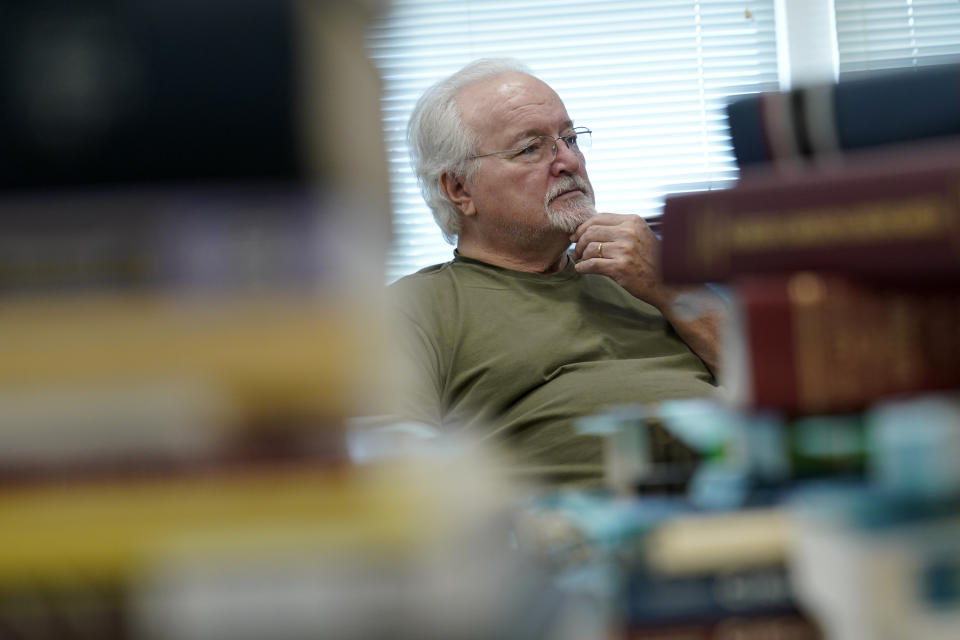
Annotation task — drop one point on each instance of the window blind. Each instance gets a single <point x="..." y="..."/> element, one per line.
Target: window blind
<point x="886" y="34"/>
<point x="650" y="77"/>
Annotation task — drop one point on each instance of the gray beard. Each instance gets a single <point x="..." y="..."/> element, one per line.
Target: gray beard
<point x="569" y="215"/>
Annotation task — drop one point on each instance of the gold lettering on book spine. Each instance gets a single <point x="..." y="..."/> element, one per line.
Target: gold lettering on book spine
<point x="852" y="344"/>
<point x="806" y="294"/>
<point x="918" y="218"/>
<point x="711" y="241"/>
<point x="905" y="367"/>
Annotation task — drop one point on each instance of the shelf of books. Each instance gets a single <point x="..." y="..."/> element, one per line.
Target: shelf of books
<point x="816" y="495"/>
<point x="826" y="502"/>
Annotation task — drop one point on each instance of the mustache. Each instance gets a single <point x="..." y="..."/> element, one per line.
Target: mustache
<point x="566" y="184"/>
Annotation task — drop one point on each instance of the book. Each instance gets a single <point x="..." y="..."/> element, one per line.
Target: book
<point x="888" y="215"/>
<point x="119" y="113"/>
<point x="189" y="143"/>
<point x="699" y="544"/>
<point x="101" y="94"/>
<point x="77" y="609"/>
<point x="124" y="431"/>
<point x="806" y="124"/>
<point x="108" y="529"/>
<point x="252" y="239"/>
<point x="653" y="600"/>
<point x="792" y="626"/>
<point x="705" y="572"/>
<point x="811" y="342"/>
<point x="270" y="357"/>
<point x="183" y="246"/>
<point x="884" y="575"/>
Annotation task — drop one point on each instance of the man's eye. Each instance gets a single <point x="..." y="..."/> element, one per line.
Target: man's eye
<point x="571" y="140"/>
<point x="533" y="147"/>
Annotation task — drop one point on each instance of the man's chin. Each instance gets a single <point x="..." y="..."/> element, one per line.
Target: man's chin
<point x="567" y="216"/>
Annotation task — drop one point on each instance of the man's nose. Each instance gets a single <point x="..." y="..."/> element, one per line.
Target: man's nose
<point x="566" y="160"/>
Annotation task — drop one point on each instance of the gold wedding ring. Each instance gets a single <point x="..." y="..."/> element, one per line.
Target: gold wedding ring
<point x="600" y="250"/>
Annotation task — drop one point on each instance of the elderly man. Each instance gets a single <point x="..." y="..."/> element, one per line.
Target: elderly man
<point x="517" y="336"/>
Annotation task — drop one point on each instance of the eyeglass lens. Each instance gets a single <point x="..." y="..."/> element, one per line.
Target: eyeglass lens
<point x="545" y="147"/>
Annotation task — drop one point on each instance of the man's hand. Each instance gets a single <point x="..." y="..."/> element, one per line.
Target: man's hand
<point x="629" y="254"/>
<point x="623" y="247"/>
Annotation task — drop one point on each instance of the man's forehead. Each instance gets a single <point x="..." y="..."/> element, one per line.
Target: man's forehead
<point x="512" y="100"/>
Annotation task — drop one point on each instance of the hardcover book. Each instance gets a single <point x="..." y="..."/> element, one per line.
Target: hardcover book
<point x="817" y="343"/>
<point x="792" y="626"/>
<point x="891" y="216"/>
<point x="805" y="124"/>
<point x="657" y="600"/>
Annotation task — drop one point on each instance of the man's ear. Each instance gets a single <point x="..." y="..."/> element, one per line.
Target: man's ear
<point x="458" y="193"/>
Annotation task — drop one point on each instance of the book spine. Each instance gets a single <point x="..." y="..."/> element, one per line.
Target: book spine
<point x="821" y="343"/>
<point x="107" y="529"/>
<point x="875" y="221"/>
<point x="792" y="626"/>
<point x="271" y="357"/>
<point x="652" y="599"/>
<point x="808" y="123"/>
<point x="210" y="238"/>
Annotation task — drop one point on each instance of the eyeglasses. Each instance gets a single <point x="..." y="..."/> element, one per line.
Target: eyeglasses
<point x="545" y="147"/>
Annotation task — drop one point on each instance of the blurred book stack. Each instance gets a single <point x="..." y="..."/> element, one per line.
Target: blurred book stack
<point x="838" y="256"/>
<point x="808" y="125"/>
<point x="816" y="495"/>
<point x="710" y="559"/>
<point x="715" y="575"/>
<point x="193" y="219"/>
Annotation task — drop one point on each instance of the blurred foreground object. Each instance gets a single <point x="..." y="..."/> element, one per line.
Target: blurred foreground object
<point x="193" y="222"/>
<point x="831" y="455"/>
<point x="98" y="93"/>
<point x="411" y="548"/>
<point x="812" y="342"/>
<point x="179" y="206"/>
<point x="887" y="214"/>
<point x="814" y="124"/>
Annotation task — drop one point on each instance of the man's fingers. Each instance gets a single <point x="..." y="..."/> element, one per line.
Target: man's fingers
<point x="593" y="236"/>
<point x="599" y="220"/>
<point x="592" y="265"/>
<point x="605" y="250"/>
<point x="589" y="247"/>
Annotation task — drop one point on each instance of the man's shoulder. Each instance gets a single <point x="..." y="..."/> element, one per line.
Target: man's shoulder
<point x="425" y="272"/>
<point x="457" y="272"/>
<point x="425" y="288"/>
<point x="425" y="278"/>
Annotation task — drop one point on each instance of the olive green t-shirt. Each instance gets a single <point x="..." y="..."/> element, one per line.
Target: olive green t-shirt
<point x="519" y="356"/>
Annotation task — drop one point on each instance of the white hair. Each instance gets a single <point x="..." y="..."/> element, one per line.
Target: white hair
<point x="440" y="142"/>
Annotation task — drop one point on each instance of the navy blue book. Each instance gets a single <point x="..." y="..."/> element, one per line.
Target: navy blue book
<point x="655" y="600"/>
<point x="105" y="92"/>
<point x="808" y="123"/>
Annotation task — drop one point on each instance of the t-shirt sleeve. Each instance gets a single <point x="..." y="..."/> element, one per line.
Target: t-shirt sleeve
<point x="419" y="378"/>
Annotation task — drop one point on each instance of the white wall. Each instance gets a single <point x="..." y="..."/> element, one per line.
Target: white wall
<point x="806" y="42"/>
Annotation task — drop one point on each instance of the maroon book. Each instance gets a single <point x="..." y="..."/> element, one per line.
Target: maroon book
<point x="810" y="343"/>
<point x="794" y="627"/>
<point x="890" y="215"/>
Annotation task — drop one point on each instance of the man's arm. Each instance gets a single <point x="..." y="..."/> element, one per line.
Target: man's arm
<point x="414" y="360"/>
<point x="624" y="248"/>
